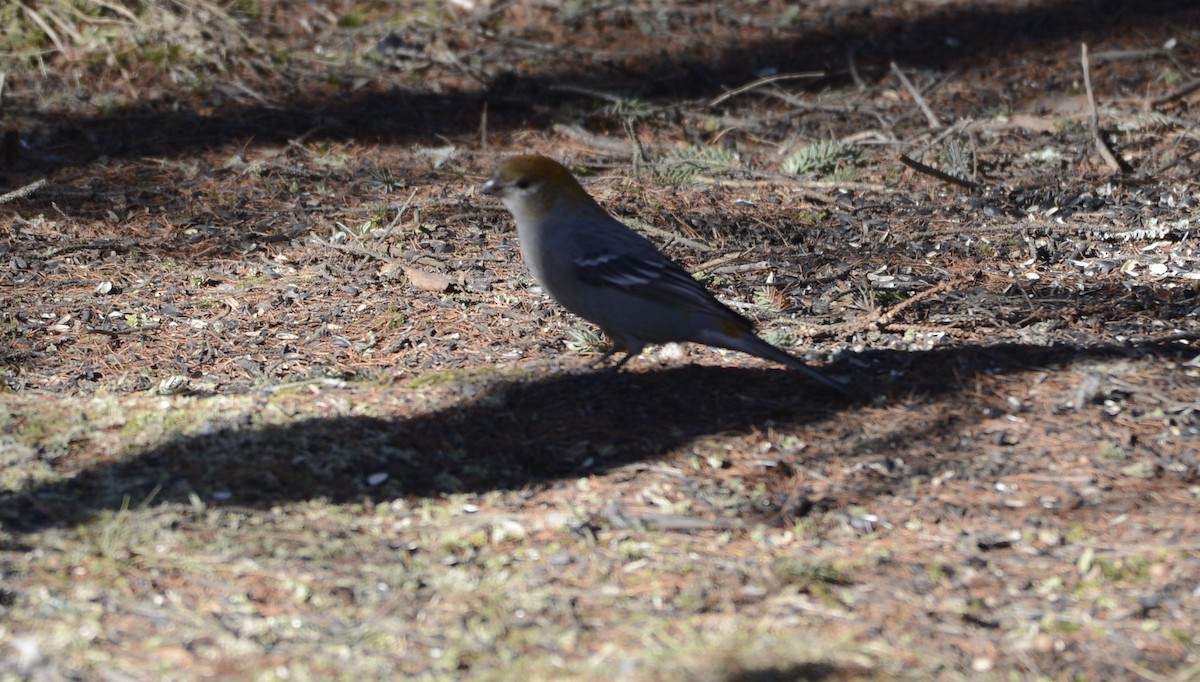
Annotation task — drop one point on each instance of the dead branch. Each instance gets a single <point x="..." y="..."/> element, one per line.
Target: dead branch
<point x="23" y="191"/>
<point x="98" y="245"/>
<point x="1179" y="93"/>
<point x="931" y="171"/>
<point x="912" y="90"/>
<point x="1094" y="119"/>
<point x="885" y="320"/>
<point x="354" y="249"/>
<point x="764" y="81"/>
<point x="671" y="237"/>
<point x="601" y="142"/>
<point x="1174" y="162"/>
<point x="719" y="261"/>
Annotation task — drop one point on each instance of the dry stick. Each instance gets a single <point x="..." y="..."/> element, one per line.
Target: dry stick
<point x="796" y="102"/>
<point x="99" y="244"/>
<point x="1166" y="167"/>
<point x="483" y="128"/>
<point x="669" y="236"/>
<point x="354" y="249"/>
<point x="1128" y="55"/>
<point x="956" y="128"/>
<point x="891" y="313"/>
<point x="974" y="153"/>
<point x="912" y="90"/>
<point x="1151" y="676"/>
<point x="1179" y="139"/>
<point x="640" y="155"/>
<point x="1179" y="66"/>
<point x="601" y="142"/>
<point x="396" y="221"/>
<point x="858" y="81"/>
<point x="765" y="81"/>
<point x="745" y="267"/>
<point x="589" y="92"/>
<point x="1094" y="119"/>
<point x="1183" y="91"/>
<point x="118" y="333"/>
<point x="929" y="170"/>
<point x="885" y="319"/>
<point x="1172" y="338"/>
<point x="298" y="143"/>
<point x="412" y="272"/>
<point x="23" y="191"/>
<point x="719" y="261"/>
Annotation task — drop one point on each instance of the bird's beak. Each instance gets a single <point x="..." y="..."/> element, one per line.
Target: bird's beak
<point x="492" y="186"/>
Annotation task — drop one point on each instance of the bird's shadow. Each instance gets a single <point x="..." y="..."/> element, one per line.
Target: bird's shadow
<point x="509" y="434"/>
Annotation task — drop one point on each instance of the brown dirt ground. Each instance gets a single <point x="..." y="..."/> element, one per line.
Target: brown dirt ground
<point x="281" y="237"/>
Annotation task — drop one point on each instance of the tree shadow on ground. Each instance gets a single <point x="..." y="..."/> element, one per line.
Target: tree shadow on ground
<point x="518" y="434"/>
<point x="944" y="39"/>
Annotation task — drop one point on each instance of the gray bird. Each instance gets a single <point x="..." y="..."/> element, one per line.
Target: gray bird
<point x="599" y="269"/>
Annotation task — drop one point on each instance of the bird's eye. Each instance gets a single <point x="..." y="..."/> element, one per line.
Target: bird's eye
<point x="523" y="183"/>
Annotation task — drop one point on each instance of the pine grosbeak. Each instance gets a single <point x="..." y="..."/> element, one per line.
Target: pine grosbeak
<point x="608" y="274"/>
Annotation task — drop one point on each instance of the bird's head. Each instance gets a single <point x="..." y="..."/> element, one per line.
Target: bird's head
<point x="531" y="186"/>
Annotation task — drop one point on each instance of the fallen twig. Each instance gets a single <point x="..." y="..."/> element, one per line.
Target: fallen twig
<point x="387" y="232"/>
<point x="588" y="92"/>
<point x="354" y="249"/>
<point x="891" y="313"/>
<point x="940" y="175"/>
<point x="884" y="320"/>
<point x="620" y="518"/>
<point x="22" y="191"/>
<point x="1174" y="162"/>
<point x="912" y="90"/>
<point x="1180" y="92"/>
<point x="957" y="127"/>
<point x="98" y="244"/>
<point x="719" y="261"/>
<point x="859" y="83"/>
<point x="118" y="333"/>
<point x="483" y="127"/>
<point x="1094" y="120"/>
<point x="601" y="142"/>
<point x="764" y="81"/>
<point x="671" y="236"/>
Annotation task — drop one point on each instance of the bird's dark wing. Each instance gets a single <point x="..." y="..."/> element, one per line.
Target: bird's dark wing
<point x="657" y="279"/>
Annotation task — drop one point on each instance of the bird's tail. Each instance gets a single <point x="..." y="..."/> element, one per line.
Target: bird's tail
<point x="748" y="342"/>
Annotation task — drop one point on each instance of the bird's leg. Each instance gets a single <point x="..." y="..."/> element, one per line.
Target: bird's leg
<point x="621" y="363"/>
<point x="616" y="367"/>
<point x="605" y="374"/>
<point x="602" y="359"/>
